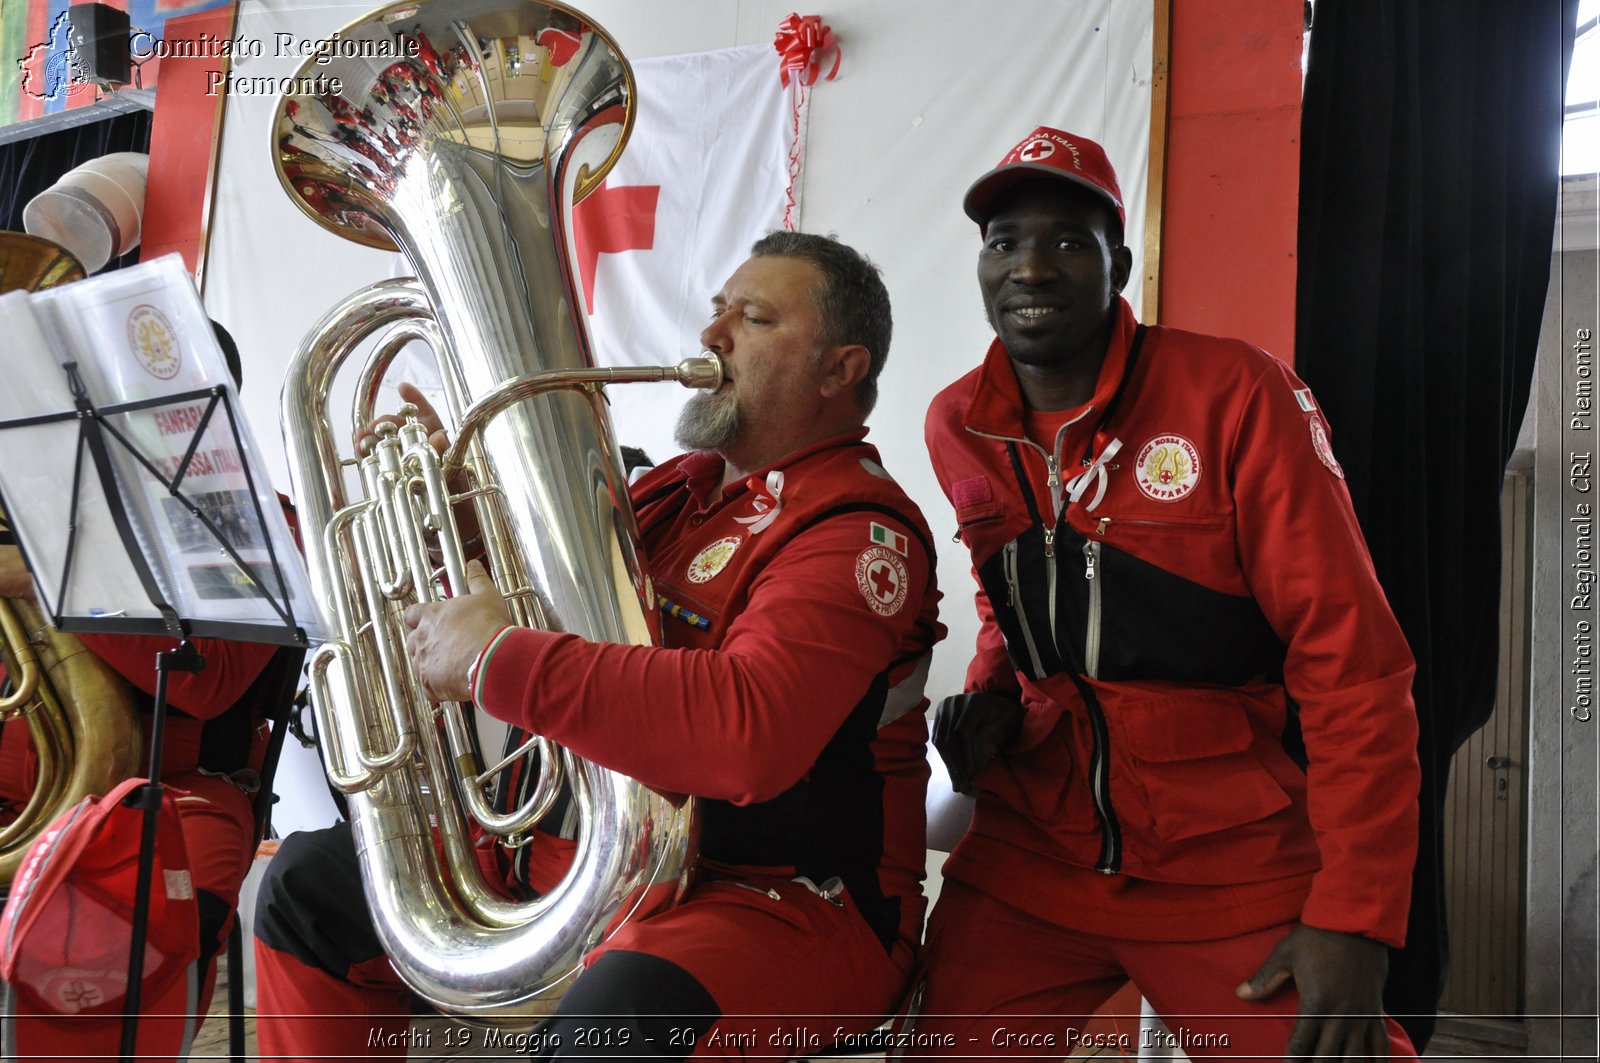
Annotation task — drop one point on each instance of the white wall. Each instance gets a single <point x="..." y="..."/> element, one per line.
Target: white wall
<point x="931" y="94"/>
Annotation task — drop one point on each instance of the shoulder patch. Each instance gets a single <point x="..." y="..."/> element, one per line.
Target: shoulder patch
<point x="1303" y="397"/>
<point x="1324" y="448"/>
<point x="882" y="578"/>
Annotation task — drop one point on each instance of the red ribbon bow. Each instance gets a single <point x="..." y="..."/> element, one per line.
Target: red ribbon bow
<point x="802" y="41"/>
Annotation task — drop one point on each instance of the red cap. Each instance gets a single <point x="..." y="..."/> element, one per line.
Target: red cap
<point x="1047" y="152"/>
<point x="66" y="930"/>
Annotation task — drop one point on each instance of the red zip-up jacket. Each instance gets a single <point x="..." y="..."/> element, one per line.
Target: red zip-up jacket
<point x="798" y="615"/>
<point x="1180" y="596"/>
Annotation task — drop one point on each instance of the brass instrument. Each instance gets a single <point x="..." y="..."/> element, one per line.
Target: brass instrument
<point x="78" y="710"/>
<point x="463" y="138"/>
<point x="32" y="263"/>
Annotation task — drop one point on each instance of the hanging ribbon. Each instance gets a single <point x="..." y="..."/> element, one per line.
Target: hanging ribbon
<point x="1094" y="474"/>
<point x="802" y="41"/>
<point x="766" y="512"/>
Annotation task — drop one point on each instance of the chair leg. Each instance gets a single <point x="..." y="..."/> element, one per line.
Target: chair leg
<point x="236" y="991"/>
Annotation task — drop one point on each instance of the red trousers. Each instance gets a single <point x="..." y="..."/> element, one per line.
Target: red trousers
<point x="219" y="832"/>
<point x="1003" y="984"/>
<point x="785" y="969"/>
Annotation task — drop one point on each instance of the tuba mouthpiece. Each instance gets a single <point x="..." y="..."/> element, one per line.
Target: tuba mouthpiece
<point x="702" y="371"/>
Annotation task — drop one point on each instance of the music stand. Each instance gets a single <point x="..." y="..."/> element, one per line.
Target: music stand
<point x="115" y="476"/>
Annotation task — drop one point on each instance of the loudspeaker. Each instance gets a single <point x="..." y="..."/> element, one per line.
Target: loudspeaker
<point x="100" y="38"/>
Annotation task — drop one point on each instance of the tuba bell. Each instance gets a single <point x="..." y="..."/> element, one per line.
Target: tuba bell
<point x="461" y="132"/>
<point x="79" y="712"/>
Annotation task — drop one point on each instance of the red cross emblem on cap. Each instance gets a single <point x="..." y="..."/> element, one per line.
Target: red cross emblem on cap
<point x="1036" y="149"/>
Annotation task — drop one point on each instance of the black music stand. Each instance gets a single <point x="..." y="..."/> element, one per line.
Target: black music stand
<point x="96" y="437"/>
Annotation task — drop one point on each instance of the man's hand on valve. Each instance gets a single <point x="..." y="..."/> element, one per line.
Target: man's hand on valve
<point x="367" y="438"/>
<point x="466" y="517"/>
<point x="447" y="636"/>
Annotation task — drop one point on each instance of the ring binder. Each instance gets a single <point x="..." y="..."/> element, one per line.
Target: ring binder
<point x="161" y="486"/>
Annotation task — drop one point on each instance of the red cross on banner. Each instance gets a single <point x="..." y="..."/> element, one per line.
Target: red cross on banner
<point x="610" y="221"/>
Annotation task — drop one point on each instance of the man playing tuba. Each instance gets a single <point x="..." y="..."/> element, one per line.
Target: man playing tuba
<point x="796" y="583"/>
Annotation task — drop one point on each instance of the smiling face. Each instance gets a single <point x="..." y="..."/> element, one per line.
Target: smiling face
<point x="1050" y="270"/>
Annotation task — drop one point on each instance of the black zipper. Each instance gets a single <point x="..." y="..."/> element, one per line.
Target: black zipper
<point x="1110" y="861"/>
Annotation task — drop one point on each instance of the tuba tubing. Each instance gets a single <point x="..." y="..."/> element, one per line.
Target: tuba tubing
<point x="452" y="938"/>
<point x="80" y="714"/>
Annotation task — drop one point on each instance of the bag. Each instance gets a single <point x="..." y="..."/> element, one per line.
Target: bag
<point x="67" y="927"/>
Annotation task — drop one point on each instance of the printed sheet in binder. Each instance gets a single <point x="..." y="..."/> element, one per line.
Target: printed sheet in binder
<point x="178" y="471"/>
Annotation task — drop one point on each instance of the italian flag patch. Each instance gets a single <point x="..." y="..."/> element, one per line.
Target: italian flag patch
<point x="889" y="537"/>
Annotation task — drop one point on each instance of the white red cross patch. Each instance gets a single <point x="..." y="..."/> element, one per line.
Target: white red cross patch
<point x="882" y="579"/>
<point x="1324" y="448"/>
<point x="1035" y="150"/>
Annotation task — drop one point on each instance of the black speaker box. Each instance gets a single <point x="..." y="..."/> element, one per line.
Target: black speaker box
<point x="100" y="37"/>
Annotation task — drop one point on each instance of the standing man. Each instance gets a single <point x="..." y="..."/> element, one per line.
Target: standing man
<point x="1188" y="724"/>
<point x="796" y="582"/>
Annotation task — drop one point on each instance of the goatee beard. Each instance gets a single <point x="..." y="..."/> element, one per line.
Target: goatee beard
<point x="708" y="422"/>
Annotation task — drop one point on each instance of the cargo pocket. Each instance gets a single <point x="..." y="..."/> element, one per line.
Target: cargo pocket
<point x="1191" y="757"/>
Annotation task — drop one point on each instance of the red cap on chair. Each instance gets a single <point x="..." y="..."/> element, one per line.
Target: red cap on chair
<point x="1047" y="152"/>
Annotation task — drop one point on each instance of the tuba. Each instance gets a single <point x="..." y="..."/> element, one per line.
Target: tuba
<point x="461" y="132"/>
<point x="79" y="712"/>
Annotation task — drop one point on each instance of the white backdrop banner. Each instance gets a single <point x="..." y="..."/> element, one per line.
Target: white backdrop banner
<point x="705" y="174"/>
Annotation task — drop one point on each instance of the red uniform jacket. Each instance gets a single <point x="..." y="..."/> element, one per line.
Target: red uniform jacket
<point x="799" y="611"/>
<point x="1180" y="596"/>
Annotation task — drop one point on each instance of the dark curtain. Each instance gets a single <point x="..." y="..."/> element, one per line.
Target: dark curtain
<point x="1429" y="180"/>
<point x="28" y="167"/>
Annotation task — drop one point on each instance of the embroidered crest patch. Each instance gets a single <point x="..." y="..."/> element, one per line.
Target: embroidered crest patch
<point x="881" y="575"/>
<point x="1324" y="448"/>
<point x="708" y="562"/>
<point x="1168" y="468"/>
